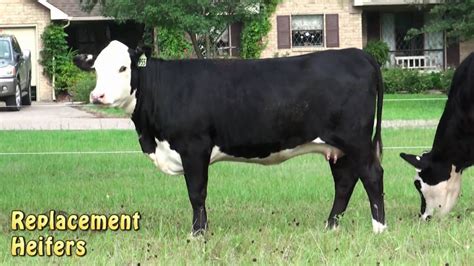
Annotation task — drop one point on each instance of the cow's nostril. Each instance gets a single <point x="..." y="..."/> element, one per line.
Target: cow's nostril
<point x="101" y="96"/>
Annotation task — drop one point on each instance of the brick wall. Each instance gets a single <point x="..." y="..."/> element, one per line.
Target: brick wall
<point x="18" y="13"/>
<point x="465" y="49"/>
<point x="350" y="24"/>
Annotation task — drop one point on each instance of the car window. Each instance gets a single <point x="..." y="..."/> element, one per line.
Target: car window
<point x="5" y="52"/>
<point x="16" y="46"/>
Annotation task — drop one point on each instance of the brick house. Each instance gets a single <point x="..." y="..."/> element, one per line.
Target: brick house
<point x="302" y="26"/>
<point x="87" y="32"/>
<point x="27" y="19"/>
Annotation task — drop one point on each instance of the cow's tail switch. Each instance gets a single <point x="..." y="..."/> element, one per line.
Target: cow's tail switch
<point x="377" y="140"/>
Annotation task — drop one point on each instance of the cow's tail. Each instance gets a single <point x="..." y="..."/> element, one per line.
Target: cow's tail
<point x="377" y="140"/>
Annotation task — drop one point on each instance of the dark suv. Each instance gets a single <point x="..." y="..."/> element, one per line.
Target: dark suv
<point x="15" y="73"/>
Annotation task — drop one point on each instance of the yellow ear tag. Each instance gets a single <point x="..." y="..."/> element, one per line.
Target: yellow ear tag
<point x="142" y="61"/>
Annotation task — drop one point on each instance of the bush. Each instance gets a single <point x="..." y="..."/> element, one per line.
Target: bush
<point x="379" y="50"/>
<point x="415" y="81"/>
<point x="83" y="86"/>
<point x="173" y="44"/>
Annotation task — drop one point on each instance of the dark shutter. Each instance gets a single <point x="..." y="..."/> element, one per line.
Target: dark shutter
<point x="373" y="26"/>
<point x="235" y="32"/>
<point x="283" y="32"/>
<point x="332" y="30"/>
<point x="452" y="54"/>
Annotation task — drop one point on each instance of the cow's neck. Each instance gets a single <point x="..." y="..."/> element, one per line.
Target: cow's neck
<point x="453" y="141"/>
<point x="128" y="103"/>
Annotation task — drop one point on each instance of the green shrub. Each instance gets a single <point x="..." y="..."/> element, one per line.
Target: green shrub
<point x="83" y="86"/>
<point x="415" y="81"/>
<point x="173" y="44"/>
<point x="379" y="50"/>
<point x="56" y="58"/>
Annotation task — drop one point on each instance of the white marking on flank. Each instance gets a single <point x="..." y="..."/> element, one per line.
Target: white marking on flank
<point x="378" y="227"/>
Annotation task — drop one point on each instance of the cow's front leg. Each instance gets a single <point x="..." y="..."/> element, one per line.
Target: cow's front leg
<point x="195" y="166"/>
<point x="344" y="182"/>
<point x="372" y="178"/>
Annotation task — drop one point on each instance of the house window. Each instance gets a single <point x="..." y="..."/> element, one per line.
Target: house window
<point x="307" y="30"/>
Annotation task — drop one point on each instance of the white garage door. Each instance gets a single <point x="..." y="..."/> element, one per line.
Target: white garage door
<point x="26" y="36"/>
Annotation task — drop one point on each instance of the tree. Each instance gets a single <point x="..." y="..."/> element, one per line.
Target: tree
<point x="203" y="20"/>
<point x="455" y="17"/>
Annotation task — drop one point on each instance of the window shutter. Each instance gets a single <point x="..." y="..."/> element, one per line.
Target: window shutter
<point x="283" y="32"/>
<point x="332" y="30"/>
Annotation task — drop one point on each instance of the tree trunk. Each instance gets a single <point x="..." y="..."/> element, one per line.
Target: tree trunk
<point x="208" y="47"/>
<point x="155" y="41"/>
<point x="195" y="45"/>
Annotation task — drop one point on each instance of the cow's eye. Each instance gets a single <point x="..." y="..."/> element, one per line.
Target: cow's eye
<point x="122" y="69"/>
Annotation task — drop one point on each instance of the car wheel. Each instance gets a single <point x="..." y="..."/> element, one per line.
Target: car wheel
<point x="26" y="100"/>
<point x="14" y="102"/>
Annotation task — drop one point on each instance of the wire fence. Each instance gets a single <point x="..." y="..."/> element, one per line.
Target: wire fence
<point x="138" y="152"/>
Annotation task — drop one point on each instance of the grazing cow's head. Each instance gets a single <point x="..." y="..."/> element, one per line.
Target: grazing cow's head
<point x="437" y="181"/>
<point x="116" y="68"/>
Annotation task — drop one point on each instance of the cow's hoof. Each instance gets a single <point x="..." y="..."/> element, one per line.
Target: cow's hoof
<point x="332" y="224"/>
<point x="378" y="227"/>
<point x="198" y="232"/>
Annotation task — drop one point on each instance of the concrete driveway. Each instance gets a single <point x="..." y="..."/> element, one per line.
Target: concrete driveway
<point x="57" y="116"/>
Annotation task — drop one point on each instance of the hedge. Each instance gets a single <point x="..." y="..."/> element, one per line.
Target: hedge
<point x="414" y="81"/>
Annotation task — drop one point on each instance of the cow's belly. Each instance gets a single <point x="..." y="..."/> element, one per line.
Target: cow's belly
<point x="169" y="161"/>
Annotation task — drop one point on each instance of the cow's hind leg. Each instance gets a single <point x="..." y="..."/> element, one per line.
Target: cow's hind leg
<point x="196" y="166"/>
<point x="372" y="178"/>
<point x="344" y="182"/>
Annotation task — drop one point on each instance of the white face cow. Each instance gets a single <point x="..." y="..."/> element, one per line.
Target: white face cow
<point x="438" y="182"/>
<point x="113" y="71"/>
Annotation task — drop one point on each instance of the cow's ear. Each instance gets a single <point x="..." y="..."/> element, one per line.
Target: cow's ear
<point x="136" y="53"/>
<point x="414" y="160"/>
<point x="84" y="61"/>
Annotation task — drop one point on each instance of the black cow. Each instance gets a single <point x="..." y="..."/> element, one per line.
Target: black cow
<point x="438" y="177"/>
<point x="192" y="113"/>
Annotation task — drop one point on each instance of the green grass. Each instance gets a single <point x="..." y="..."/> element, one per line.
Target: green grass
<point x="274" y="214"/>
<point x="103" y="111"/>
<point x="413" y="106"/>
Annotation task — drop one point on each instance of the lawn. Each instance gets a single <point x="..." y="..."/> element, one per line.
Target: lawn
<point x="413" y="106"/>
<point x="266" y="215"/>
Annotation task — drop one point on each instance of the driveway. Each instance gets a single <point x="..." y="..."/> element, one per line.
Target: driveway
<point x="57" y="116"/>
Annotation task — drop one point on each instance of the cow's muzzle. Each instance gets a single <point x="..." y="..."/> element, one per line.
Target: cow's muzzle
<point x="96" y="99"/>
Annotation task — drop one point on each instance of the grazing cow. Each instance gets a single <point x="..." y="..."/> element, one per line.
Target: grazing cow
<point x="192" y="113"/>
<point x="438" y="177"/>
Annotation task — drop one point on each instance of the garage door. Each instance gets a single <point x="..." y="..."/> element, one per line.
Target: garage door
<point x="27" y="38"/>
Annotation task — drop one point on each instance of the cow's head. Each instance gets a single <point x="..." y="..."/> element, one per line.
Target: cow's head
<point x="437" y="181"/>
<point x="116" y="71"/>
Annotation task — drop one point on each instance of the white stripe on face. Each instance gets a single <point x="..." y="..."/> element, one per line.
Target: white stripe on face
<point x="442" y="197"/>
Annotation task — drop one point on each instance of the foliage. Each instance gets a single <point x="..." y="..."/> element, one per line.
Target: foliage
<point x="453" y="16"/>
<point x="56" y="57"/>
<point x="83" y="86"/>
<point x="256" y="28"/>
<point x="173" y="44"/>
<point x="203" y="20"/>
<point x="414" y="81"/>
<point x="379" y="50"/>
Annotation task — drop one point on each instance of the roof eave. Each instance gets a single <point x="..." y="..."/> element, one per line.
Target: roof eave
<point x="56" y="13"/>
